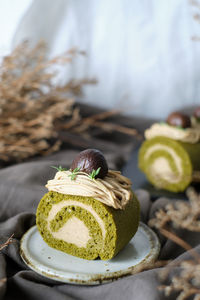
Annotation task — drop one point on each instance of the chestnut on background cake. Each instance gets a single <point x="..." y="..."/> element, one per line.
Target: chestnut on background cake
<point x="89" y="211"/>
<point x="179" y="120"/>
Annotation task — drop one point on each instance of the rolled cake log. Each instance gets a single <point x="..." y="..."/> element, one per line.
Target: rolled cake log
<point x="169" y="164"/>
<point x="84" y="227"/>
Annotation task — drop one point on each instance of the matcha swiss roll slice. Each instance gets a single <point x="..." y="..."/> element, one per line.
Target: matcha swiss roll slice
<point x="89" y="211"/>
<point x="170" y="156"/>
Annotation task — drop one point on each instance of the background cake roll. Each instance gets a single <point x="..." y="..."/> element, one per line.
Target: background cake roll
<point x="169" y="164"/>
<point x="85" y="227"/>
<point x="170" y="156"/>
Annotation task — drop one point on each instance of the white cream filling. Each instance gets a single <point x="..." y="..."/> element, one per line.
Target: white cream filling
<point x="188" y="135"/>
<point x="161" y="168"/>
<point x="74" y="230"/>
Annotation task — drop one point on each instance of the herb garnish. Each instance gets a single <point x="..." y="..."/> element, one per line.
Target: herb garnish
<point x="94" y="173"/>
<point x="74" y="173"/>
<point x="60" y="169"/>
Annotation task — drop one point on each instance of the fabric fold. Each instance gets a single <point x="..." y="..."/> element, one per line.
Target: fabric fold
<point x="18" y="215"/>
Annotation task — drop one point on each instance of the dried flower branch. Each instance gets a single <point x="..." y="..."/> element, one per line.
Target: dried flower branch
<point x="186" y="283"/>
<point x="196" y="16"/>
<point x="176" y="239"/>
<point x="33" y="109"/>
<point x="180" y="214"/>
<point x="184" y="215"/>
<point x="2" y="281"/>
<point x="196" y="176"/>
<point x="80" y="125"/>
<point x="30" y="103"/>
<point x="149" y="266"/>
<point x="8" y="242"/>
<point x="195" y="3"/>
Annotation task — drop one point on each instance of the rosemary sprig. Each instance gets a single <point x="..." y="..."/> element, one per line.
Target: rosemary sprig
<point x="94" y="173"/>
<point x="74" y="173"/>
<point x="59" y="168"/>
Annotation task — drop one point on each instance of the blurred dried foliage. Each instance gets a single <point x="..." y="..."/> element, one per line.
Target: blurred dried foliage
<point x="185" y="215"/>
<point x="7" y="242"/>
<point x="30" y="103"/>
<point x="2" y="246"/>
<point x="186" y="283"/>
<point x="32" y="108"/>
<point x="180" y="214"/>
<point x="196" y="6"/>
<point x="2" y="281"/>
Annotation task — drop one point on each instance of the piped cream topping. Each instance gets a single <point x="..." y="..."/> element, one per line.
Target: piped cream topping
<point x="114" y="190"/>
<point x="187" y="135"/>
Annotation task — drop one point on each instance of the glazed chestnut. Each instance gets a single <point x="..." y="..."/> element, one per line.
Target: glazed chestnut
<point x="89" y="160"/>
<point x="179" y="120"/>
<point x="196" y="113"/>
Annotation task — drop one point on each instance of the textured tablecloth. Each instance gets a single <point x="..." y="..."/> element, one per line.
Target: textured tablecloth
<point x="21" y="187"/>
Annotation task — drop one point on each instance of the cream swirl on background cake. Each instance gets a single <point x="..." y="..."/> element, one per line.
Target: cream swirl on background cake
<point x="187" y="135"/>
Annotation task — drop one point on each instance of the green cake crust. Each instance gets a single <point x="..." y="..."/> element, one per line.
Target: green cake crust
<point x="120" y="225"/>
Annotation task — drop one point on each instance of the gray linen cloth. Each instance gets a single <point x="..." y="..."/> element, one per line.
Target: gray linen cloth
<point x="21" y="188"/>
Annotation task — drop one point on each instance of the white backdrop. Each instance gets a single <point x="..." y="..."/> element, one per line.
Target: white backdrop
<point x="140" y="51"/>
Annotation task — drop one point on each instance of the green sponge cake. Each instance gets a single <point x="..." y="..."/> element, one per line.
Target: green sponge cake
<point x="89" y="211"/>
<point x="170" y="155"/>
<point x="85" y="227"/>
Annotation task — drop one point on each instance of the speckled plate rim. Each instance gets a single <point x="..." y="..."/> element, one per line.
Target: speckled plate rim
<point x="90" y="279"/>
